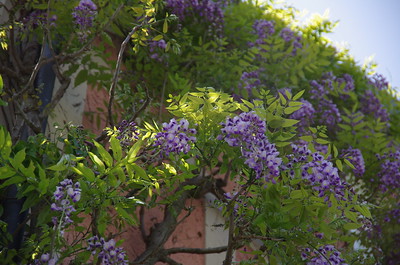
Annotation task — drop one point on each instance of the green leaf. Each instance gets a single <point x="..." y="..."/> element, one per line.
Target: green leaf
<point x="58" y="167"/>
<point x="283" y="99"/>
<point x="116" y="148"/>
<point x="189" y="187"/>
<point x="307" y="138"/>
<point x="84" y="171"/>
<point x="282" y="144"/>
<point x="124" y="214"/>
<point x="133" y="151"/>
<point x="339" y="165"/>
<point x="322" y="141"/>
<point x="1" y="85"/>
<point x="298" y="95"/>
<point x="298" y="194"/>
<point x="288" y="94"/>
<point x="43" y="184"/>
<point x="290" y="110"/>
<point x="97" y="161"/>
<point x="14" y="180"/>
<point x="158" y="37"/>
<point x="335" y="151"/>
<point x="351" y="215"/>
<point x="6" y="172"/>
<point x="349" y="163"/>
<point x="165" y="26"/>
<point x="140" y="171"/>
<point x="289" y="122"/>
<point x="363" y="209"/>
<point x="104" y="154"/>
<point x="81" y="77"/>
<point x="351" y="226"/>
<point x="276" y="123"/>
<point x="16" y="162"/>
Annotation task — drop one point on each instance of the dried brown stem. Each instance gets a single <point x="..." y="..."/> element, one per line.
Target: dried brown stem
<point x="116" y="73"/>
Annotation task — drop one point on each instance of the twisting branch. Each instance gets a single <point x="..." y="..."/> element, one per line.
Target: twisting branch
<point x="36" y="129"/>
<point x="267" y="238"/>
<point x="116" y="73"/>
<point x="162" y="231"/>
<point x="196" y="250"/>
<point x="65" y="81"/>
<point x="142" y="228"/>
<point x="230" y="248"/>
<point x="169" y="261"/>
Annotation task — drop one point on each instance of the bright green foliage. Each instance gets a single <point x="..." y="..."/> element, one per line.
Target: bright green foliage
<point x="207" y="79"/>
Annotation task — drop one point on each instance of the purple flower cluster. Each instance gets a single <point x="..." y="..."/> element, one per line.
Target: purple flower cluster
<point x="371" y="105"/>
<point x="84" y="15"/>
<point x="39" y="18"/>
<point x="127" y="132"/>
<point x="155" y="47"/>
<point x="250" y="80"/>
<point x="379" y="81"/>
<point x="65" y="195"/>
<point x="328" y="81"/>
<point x="288" y="35"/>
<point x="248" y="131"/>
<point x="393" y="214"/>
<point x="45" y="259"/>
<point x="390" y="171"/>
<point x="305" y="116"/>
<point x="347" y="82"/>
<point x="326" y="255"/>
<point x="356" y="158"/>
<point x="108" y="253"/>
<point x="327" y="112"/>
<point x="209" y="11"/>
<point x="174" y="137"/>
<point x="263" y="29"/>
<point x="319" y="173"/>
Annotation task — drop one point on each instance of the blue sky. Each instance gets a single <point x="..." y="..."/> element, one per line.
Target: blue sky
<point x="369" y="27"/>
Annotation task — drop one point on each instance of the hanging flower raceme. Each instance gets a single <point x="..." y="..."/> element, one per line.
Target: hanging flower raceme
<point x="65" y="195"/>
<point x="175" y="137"/>
<point x="390" y="171"/>
<point x="288" y="35"/>
<point x="357" y="160"/>
<point x="371" y="105"/>
<point x="305" y="116"/>
<point x="263" y="29"/>
<point x="127" y="132"/>
<point x="84" y="15"/>
<point x="208" y="10"/>
<point x="107" y="251"/>
<point x="379" y="81"/>
<point x="326" y="255"/>
<point x="319" y="173"/>
<point x="248" y="131"/>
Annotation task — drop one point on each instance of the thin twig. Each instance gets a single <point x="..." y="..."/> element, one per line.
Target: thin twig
<point x="116" y="73"/>
<point x="14" y="56"/>
<point x="261" y="238"/>
<point x="144" y="106"/>
<point x="65" y="81"/>
<point x="162" y="97"/>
